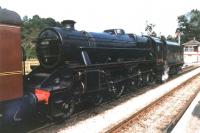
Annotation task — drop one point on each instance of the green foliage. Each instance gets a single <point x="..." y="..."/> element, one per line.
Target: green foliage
<point x="29" y="50"/>
<point x="189" y="26"/>
<point x="149" y="29"/>
<point x="30" y="30"/>
<point x="171" y="38"/>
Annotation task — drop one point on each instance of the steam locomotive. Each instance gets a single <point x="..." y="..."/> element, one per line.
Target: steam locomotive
<point x="77" y="66"/>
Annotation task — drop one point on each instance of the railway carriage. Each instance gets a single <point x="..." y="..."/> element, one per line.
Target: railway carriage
<point x="13" y="101"/>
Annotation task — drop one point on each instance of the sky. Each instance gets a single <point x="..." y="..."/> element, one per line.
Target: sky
<point x="98" y="15"/>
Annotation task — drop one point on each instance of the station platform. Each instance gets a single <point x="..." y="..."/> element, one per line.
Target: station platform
<point x="190" y="121"/>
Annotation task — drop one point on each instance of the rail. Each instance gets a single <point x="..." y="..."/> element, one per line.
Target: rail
<point x="128" y="122"/>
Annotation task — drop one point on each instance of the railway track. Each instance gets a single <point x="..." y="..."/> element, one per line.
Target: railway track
<point x="45" y="124"/>
<point x="85" y="111"/>
<point x="159" y="116"/>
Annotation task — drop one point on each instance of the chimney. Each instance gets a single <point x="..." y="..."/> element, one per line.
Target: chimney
<point x="68" y="24"/>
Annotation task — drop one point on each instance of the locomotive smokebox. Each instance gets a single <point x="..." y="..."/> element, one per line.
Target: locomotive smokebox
<point x="69" y="24"/>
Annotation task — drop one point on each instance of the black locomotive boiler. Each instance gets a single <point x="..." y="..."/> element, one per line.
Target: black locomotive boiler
<point x="56" y="45"/>
<point x="79" y="65"/>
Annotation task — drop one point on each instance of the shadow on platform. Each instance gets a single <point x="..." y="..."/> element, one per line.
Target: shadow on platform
<point x="196" y="111"/>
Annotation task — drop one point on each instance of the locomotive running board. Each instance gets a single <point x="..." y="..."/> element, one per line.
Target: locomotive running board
<point x="112" y="64"/>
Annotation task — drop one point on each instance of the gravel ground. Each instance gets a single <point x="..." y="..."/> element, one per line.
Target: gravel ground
<point x="104" y="117"/>
<point x="159" y="117"/>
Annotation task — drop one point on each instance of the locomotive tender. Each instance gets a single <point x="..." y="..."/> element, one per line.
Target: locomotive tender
<point x="77" y="65"/>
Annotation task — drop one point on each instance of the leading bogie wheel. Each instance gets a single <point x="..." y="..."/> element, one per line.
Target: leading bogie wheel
<point x="68" y="107"/>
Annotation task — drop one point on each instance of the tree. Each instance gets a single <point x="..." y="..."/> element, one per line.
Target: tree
<point x="149" y="29"/>
<point x="154" y="34"/>
<point x="189" y="25"/>
<point x="30" y="30"/>
<point x="171" y="38"/>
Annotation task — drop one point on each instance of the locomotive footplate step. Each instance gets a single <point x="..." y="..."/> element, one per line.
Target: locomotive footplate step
<point x="190" y="121"/>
